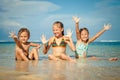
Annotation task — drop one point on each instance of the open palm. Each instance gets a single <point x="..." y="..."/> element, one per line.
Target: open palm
<point x="107" y="26"/>
<point x="76" y="19"/>
<point x="12" y="34"/>
<point x="43" y="39"/>
<point x="69" y="32"/>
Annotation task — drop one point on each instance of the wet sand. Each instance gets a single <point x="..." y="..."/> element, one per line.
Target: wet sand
<point x="84" y="69"/>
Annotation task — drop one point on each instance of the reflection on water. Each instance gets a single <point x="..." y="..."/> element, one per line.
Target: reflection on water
<point x="60" y="70"/>
<point x="22" y="66"/>
<point x="56" y="70"/>
<point x="25" y="66"/>
<point x="44" y="69"/>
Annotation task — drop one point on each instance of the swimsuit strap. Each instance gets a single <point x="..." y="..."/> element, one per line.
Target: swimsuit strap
<point x="62" y="43"/>
<point x="82" y="46"/>
<point x="54" y="44"/>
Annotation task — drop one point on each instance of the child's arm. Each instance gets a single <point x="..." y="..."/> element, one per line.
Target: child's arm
<point x="76" y="19"/>
<point x="106" y="27"/>
<point x="12" y="35"/>
<point x="24" y="57"/>
<point x="71" y="44"/>
<point x="35" y="45"/>
<point x="69" y="39"/>
<point x="45" y="46"/>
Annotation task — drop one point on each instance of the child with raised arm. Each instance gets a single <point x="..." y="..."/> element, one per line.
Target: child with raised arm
<point x="83" y="40"/>
<point x="58" y="43"/>
<point x="23" y="46"/>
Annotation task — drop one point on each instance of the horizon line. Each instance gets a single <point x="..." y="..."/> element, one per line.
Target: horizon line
<point x="73" y="41"/>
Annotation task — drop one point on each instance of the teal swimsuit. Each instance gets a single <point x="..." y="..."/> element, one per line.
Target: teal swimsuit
<point x="81" y="49"/>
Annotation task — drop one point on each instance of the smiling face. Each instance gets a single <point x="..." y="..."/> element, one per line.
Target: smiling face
<point x="23" y="37"/>
<point x="57" y="31"/>
<point x="84" y="34"/>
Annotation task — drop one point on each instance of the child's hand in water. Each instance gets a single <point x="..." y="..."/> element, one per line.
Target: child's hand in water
<point x="43" y="39"/>
<point x="12" y="35"/>
<point x="76" y="19"/>
<point x="69" y="33"/>
<point x="107" y="26"/>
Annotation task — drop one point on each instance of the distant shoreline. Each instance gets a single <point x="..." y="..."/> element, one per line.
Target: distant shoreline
<point x="73" y="41"/>
<point x="99" y="42"/>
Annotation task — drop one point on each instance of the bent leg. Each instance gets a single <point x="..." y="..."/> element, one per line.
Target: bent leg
<point x="20" y="55"/>
<point x="34" y="54"/>
<point x="65" y="57"/>
<point x="52" y="57"/>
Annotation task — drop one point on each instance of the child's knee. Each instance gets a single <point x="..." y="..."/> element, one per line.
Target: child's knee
<point x="34" y="50"/>
<point x="63" y="55"/>
<point x="50" y="57"/>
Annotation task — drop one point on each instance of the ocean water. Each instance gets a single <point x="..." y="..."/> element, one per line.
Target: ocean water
<point x="98" y="49"/>
<point x="44" y="69"/>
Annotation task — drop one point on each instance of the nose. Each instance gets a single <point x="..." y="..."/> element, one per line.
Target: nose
<point x="54" y="31"/>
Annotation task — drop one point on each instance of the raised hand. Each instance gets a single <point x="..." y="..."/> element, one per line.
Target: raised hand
<point x="76" y="19"/>
<point x="43" y="39"/>
<point x="69" y="33"/>
<point x="107" y="26"/>
<point x="12" y="35"/>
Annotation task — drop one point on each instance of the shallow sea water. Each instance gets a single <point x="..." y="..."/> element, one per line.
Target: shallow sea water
<point x="44" y="69"/>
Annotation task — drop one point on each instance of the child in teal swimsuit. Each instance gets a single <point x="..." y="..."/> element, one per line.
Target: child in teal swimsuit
<point x="83" y="40"/>
<point x="81" y="49"/>
<point x="58" y="43"/>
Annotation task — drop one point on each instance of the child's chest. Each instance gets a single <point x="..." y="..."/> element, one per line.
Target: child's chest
<point x="79" y="43"/>
<point x="26" y="47"/>
<point x="58" y="41"/>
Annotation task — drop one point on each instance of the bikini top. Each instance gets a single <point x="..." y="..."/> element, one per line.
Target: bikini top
<point x="81" y="48"/>
<point x="62" y="44"/>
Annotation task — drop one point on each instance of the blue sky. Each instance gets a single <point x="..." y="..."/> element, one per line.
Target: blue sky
<point x="39" y="15"/>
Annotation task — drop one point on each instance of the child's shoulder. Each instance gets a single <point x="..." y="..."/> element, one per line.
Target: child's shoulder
<point x="30" y="43"/>
<point x="51" y="39"/>
<point x="81" y="42"/>
<point x="64" y="36"/>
